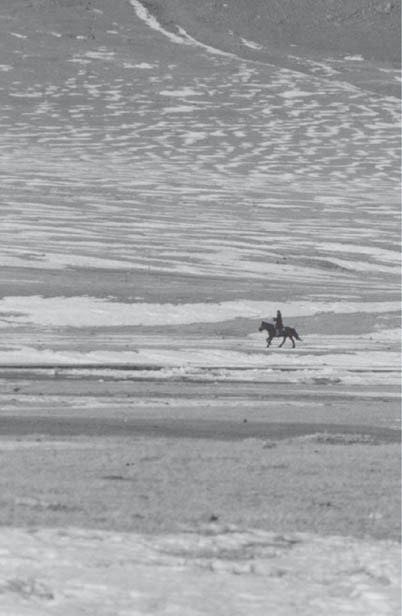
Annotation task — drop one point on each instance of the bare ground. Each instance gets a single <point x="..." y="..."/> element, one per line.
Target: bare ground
<point x="154" y="457"/>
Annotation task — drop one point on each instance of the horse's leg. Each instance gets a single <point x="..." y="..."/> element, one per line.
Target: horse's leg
<point x="293" y="342"/>
<point x="269" y="340"/>
<point x="283" y="341"/>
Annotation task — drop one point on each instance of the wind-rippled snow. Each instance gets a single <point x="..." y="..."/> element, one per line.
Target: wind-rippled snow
<point x="102" y="170"/>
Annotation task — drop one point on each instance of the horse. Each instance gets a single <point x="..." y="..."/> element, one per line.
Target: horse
<point x="286" y="332"/>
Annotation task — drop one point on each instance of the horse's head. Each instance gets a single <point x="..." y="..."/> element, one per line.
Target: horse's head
<point x="269" y="327"/>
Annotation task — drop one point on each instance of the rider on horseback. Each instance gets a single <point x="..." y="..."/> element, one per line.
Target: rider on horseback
<point x="278" y="323"/>
<point x="279" y="330"/>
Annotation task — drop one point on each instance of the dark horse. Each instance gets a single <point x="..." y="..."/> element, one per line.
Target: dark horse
<point x="286" y="332"/>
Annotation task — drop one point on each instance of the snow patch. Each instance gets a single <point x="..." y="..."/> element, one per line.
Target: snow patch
<point x="152" y="22"/>
<point x="295" y="93"/>
<point x="183" y="38"/>
<point x="211" y="571"/>
<point x="180" y="93"/>
<point x="251" y="44"/>
<point x="355" y="58"/>
<point x="94" y="312"/>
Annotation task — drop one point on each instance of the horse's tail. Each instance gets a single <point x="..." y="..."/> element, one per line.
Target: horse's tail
<point x="297" y="336"/>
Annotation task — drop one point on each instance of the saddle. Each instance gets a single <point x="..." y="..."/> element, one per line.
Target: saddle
<point x="279" y="330"/>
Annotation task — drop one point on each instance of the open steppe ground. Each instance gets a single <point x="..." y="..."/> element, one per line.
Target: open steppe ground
<point x="149" y="495"/>
<point x="157" y="457"/>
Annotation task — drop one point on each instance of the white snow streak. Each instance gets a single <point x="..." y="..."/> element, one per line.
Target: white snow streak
<point x="94" y="312"/>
